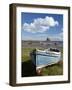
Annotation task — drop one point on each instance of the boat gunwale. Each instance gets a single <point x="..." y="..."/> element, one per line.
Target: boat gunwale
<point x="48" y="55"/>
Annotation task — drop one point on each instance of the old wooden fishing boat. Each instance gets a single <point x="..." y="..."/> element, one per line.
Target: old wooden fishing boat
<point x="42" y="58"/>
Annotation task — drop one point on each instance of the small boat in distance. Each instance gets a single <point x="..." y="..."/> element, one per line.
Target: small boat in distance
<point x="42" y="58"/>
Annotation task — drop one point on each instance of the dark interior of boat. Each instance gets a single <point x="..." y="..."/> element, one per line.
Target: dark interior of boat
<point x="55" y="50"/>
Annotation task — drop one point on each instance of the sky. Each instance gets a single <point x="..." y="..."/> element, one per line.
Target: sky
<point x="40" y="26"/>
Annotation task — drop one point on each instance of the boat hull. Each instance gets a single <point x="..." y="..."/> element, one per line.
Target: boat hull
<point x="44" y="59"/>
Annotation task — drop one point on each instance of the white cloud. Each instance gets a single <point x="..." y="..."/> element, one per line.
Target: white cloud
<point x="40" y="25"/>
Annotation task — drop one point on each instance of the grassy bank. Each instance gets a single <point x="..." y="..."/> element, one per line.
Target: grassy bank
<point x="26" y="54"/>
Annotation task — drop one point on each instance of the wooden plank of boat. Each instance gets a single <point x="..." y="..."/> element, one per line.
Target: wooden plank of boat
<point x="42" y="66"/>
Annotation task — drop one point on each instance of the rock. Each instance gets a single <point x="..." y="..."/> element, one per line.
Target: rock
<point x="39" y="72"/>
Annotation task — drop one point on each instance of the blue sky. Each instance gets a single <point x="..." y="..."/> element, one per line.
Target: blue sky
<point x="39" y="26"/>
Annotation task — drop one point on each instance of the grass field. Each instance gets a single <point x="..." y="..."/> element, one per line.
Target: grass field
<point x="26" y="54"/>
<point x="27" y="68"/>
